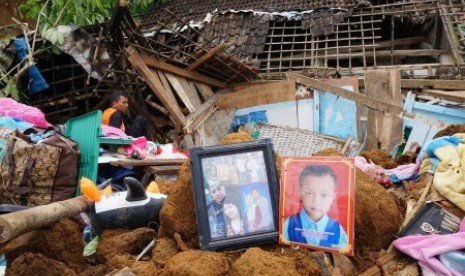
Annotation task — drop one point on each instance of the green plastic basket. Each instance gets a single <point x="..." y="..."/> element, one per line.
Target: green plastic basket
<point x="86" y="130"/>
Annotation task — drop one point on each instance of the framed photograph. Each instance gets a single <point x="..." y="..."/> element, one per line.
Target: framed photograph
<point x="236" y="193"/>
<point x="317" y="203"/>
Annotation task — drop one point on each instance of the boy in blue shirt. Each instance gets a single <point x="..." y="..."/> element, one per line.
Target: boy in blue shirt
<point x="317" y="186"/>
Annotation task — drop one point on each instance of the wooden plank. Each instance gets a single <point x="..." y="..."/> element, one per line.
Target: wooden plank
<point x="156" y="85"/>
<point x="423" y="130"/>
<point x="283" y="91"/>
<point x="359" y="98"/>
<point x="205" y="90"/>
<point x="187" y="141"/>
<point x="383" y="129"/>
<point x="428" y="83"/>
<point x="207" y="56"/>
<point x="435" y="84"/>
<point x="156" y="106"/>
<point x="148" y="162"/>
<point x="162" y="169"/>
<point x="166" y="85"/>
<point x="383" y="264"/>
<point x="177" y="71"/>
<point x="381" y="44"/>
<point x="455" y="96"/>
<point x="441" y="113"/>
<point x="406" y="67"/>
<point x="353" y="83"/>
<point x="202" y="113"/>
<point x="338" y="115"/>
<point x="182" y="88"/>
<point x="378" y="54"/>
<point x="197" y="139"/>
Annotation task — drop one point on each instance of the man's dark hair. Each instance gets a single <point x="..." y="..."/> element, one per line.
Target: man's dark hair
<point x="316" y="170"/>
<point x="116" y="95"/>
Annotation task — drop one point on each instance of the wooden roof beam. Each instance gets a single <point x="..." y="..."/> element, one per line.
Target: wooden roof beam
<point x="177" y="71"/>
<point x="154" y="82"/>
<point x="370" y="102"/>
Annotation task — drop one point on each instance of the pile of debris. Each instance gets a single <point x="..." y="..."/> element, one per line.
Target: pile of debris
<point x="59" y="249"/>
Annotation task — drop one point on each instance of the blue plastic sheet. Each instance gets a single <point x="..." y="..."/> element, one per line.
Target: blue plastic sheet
<point x="37" y="82"/>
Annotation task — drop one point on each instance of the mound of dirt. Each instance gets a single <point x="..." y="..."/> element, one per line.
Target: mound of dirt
<point x="195" y="262"/>
<point x="307" y="262"/>
<point x="238" y="137"/>
<point x="379" y="157"/>
<point x="62" y="242"/>
<point x="450" y="130"/>
<point x="37" y="264"/>
<point x="166" y="186"/>
<point x="178" y="212"/>
<point x="377" y="215"/>
<point x="130" y="242"/>
<point x="255" y="261"/>
<point x="164" y="250"/>
<point x="147" y="268"/>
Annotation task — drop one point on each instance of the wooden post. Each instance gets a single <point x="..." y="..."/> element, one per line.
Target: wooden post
<point x="17" y="223"/>
<point x="207" y="56"/>
<point x="383" y="128"/>
<point x="155" y="84"/>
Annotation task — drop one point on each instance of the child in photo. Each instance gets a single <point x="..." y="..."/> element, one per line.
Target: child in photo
<point x="312" y="225"/>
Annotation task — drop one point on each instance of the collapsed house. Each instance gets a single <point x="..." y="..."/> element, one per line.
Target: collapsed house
<point x="173" y="63"/>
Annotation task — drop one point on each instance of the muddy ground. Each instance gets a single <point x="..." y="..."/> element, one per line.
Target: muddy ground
<point x="58" y="250"/>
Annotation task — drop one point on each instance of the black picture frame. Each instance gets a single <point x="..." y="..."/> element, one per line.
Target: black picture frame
<point x="236" y="194"/>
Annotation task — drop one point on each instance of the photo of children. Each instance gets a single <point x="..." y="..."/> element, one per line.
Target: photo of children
<point x="317" y="203"/>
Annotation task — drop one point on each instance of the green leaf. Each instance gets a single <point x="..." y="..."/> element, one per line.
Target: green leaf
<point x="55" y="50"/>
<point x="12" y="90"/>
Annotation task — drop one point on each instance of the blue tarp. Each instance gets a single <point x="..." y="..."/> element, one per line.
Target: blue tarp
<point x="37" y="83"/>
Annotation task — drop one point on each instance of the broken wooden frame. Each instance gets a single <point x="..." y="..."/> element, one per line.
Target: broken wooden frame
<point x="175" y="41"/>
<point x="172" y="71"/>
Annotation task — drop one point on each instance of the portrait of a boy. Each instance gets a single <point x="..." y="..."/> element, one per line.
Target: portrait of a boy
<point x="311" y="224"/>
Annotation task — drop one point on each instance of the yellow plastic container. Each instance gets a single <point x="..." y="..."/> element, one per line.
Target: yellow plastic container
<point x="153" y="188"/>
<point x="89" y="189"/>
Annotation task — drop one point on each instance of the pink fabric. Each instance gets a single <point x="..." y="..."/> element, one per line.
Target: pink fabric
<point x="404" y="171"/>
<point x="426" y="249"/>
<point x="113" y="132"/>
<point x="32" y="115"/>
<point x="168" y="151"/>
<point x="138" y="144"/>
<point x="374" y="171"/>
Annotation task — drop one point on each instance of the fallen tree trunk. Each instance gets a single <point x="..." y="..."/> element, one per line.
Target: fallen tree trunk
<point x="20" y="222"/>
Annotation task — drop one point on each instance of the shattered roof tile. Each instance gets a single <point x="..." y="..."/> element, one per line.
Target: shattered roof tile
<point x="197" y="9"/>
